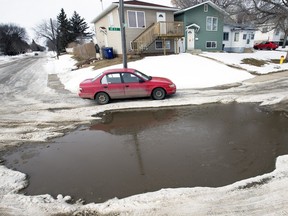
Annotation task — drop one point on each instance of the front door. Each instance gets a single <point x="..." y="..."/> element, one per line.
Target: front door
<point x="133" y="86"/>
<point x="161" y="17"/>
<point x="190" y="39"/>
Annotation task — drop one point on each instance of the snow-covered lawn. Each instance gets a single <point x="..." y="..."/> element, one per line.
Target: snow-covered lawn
<point x="188" y="72"/>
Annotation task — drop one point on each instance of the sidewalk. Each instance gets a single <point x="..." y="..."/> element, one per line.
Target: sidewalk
<point x="268" y="77"/>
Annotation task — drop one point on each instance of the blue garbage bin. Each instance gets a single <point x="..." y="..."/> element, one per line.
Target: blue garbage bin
<point x="108" y="52"/>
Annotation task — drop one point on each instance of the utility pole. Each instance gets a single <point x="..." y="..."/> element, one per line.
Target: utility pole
<point x="123" y="33"/>
<point x="54" y="39"/>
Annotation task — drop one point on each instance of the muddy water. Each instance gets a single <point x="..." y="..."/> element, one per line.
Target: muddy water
<point x="139" y="151"/>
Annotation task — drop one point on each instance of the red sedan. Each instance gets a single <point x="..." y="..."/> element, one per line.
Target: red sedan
<point x="266" y="45"/>
<point x="125" y="83"/>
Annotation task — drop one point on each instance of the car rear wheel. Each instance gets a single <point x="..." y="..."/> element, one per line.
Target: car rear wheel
<point x="102" y="98"/>
<point x="158" y="94"/>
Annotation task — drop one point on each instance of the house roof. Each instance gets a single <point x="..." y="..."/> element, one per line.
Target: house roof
<point x="134" y="4"/>
<point x="198" y="5"/>
<point x="147" y="4"/>
<point x="235" y="26"/>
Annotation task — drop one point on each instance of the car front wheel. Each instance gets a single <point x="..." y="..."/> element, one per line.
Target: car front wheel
<point x="102" y="98"/>
<point x="158" y="94"/>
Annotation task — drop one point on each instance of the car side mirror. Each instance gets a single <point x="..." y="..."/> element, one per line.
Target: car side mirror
<point x="141" y="81"/>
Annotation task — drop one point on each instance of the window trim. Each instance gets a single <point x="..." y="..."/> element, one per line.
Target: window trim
<point x="137" y="23"/>
<point x="212" y="22"/>
<point x="244" y="37"/>
<point x="226" y="38"/>
<point x="206" y="7"/>
<point x="167" y="43"/>
<point x="212" y="42"/>
<point x="236" y="38"/>
<point x="111" y="19"/>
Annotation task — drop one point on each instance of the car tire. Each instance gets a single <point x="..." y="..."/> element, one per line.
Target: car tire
<point x="158" y="94"/>
<point x="102" y="98"/>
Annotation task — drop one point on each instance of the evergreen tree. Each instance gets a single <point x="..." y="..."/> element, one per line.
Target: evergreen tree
<point x="78" y="26"/>
<point x="65" y="34"/>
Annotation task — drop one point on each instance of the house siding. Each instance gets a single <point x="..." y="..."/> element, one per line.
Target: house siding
<point x="239" y="46"/>
<point x="114" y="37"/>
<point x="150" y="19"/>
<point x="198" y="16"/>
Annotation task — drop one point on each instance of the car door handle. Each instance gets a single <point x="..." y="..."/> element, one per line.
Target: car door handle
<point x="105" y="87"/>
<point x="127" y="86"/>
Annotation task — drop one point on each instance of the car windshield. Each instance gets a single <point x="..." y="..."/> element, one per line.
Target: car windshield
<point x="100" y="74"/>
<point x="143" y="76"/>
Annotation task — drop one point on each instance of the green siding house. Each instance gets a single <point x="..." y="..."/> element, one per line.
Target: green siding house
<point x="203" y="27"/>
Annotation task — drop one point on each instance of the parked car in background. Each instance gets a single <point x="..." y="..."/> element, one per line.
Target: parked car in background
<point x="125" y="83"/>
<point x="269" y="45"/>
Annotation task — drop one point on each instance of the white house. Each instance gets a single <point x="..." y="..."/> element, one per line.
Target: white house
<point x="268" y="33"/>
<point x="238" y="38"/>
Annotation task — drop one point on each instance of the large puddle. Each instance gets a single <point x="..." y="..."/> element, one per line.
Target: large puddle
<point x="138" y="151"/>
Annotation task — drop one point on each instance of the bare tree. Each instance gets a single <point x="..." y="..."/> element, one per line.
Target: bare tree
<point x="13" y="39"/>
<point x="48" y="29"/>
<point x="273" y="12"/>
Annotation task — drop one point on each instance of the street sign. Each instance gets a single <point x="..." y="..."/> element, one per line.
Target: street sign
<point x="114" y="29"/>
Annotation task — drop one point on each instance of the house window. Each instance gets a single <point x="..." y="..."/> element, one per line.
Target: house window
<point x="277" y="32"/>
<point x="211" y="44"/>
<point x="211" y="23"/>
<point x="226" y="36"/>
<point x="205" y="7"/>
<point x="111" y="20"/>
<point x="236" y="36"/>
<point x="136" y="19"/>
<point x="244" y="36"/>
<point x="252" y="36"/>
<point x="159" y="44"/>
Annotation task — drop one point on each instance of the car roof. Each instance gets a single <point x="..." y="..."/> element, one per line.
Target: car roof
<point x="131" y="70"/>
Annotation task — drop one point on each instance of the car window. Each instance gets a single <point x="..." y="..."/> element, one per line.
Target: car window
<point x="113" y="78"/>
<point x="129" y="78"/>
<point x="100" y="74"/>
<point x="142" y="75"/>
<point x="104" y="80"/>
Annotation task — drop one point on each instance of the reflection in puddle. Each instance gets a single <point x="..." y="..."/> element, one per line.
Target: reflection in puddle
<point x="138" y="151"/>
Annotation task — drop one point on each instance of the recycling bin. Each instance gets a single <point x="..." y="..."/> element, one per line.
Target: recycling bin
<point x="108" y="53"/>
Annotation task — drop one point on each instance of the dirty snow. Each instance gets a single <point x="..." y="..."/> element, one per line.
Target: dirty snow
<point x="262" y="195"/>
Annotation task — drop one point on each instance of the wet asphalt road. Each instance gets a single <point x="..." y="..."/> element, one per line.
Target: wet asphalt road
<point x="23" y="97"/>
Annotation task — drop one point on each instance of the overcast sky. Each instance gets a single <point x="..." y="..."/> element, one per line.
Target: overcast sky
<point x="29" y="13"/>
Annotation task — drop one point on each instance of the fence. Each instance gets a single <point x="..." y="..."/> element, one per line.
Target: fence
<point x="85" y="51"/>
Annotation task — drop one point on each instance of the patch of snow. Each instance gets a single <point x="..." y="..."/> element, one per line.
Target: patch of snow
<point x="261" y="195"/>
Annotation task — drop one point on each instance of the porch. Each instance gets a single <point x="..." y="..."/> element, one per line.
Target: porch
<point x="159" y="30"/>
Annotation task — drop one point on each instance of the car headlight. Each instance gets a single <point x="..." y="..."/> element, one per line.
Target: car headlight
<point x="172" y="85"/>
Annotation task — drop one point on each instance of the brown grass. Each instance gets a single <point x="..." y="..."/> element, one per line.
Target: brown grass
<point x="254" y="62"/>
<point x="260" y="63"/>
<point x="108" y="62"/>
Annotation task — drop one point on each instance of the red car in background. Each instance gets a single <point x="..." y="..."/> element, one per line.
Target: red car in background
<point x="125" y="83"/>
<point x="266" y="45"/>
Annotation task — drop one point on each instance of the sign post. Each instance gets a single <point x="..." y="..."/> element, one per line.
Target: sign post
<point x="123" y="36"/>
